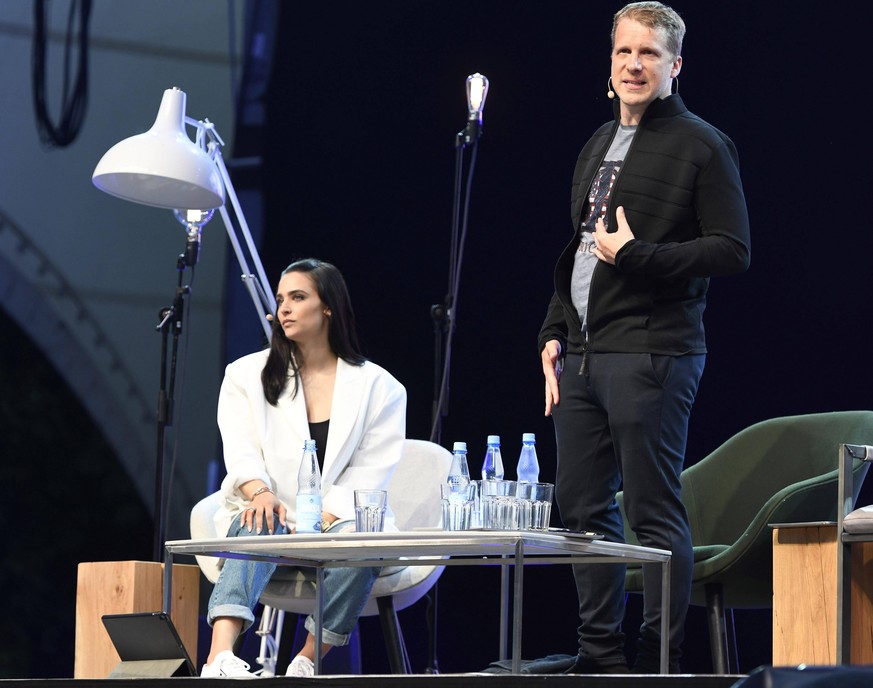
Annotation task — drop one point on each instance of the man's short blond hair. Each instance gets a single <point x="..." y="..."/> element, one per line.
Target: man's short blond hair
<point x="655" y="15"/>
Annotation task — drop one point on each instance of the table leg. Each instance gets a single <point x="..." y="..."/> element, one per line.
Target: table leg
<point x="504" y="607"/>
<point x="665" y="617"/>
<point x="319" y="616"/>
<point x="517" y="607"/>
<point x="845" y="502"/>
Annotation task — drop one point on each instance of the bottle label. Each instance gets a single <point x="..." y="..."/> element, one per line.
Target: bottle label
<point x="308" y="513"/>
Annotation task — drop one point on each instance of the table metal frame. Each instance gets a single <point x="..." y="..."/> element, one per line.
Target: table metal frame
<point x="849" y="453"/>
<point x="422" y="548"/>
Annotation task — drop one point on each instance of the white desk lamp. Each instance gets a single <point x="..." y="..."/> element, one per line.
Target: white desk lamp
<point x="164" y="168"/>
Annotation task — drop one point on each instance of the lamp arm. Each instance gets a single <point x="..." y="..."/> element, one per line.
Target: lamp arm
<point x="257" y="285"/>
<point x="260" y="302"/>
<point x="204" y="128"/>
<point x="266" y="291"/>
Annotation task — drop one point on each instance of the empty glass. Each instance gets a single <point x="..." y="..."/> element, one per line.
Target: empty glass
<point x="499" y="504"/>
<point x="457" y="506"/>
<point x="370" y="510"/>
<point x="535" y="505"/>
<point x="476" y="517"/>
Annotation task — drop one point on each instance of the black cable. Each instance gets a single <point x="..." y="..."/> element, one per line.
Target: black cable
<point x="74" y="93"/>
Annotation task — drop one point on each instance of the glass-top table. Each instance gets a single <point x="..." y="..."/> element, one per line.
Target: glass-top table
<point x="421" y="548"/>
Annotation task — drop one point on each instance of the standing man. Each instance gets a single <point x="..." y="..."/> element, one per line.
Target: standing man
<point x="657" y="208"/>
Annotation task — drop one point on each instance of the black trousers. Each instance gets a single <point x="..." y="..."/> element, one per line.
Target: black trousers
<point x="623" y="424"/>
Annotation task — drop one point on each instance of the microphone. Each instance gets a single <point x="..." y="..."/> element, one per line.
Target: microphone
<point x="610" y="93"/>
<point x="477" y="91"/>
<point x="192" y="246"/>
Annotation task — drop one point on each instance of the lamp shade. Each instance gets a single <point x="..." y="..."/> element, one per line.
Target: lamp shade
<point x="162" y="167"/>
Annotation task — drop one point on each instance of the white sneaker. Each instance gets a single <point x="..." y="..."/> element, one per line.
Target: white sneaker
<point x="301" y="666"/>
<point x="226" y="665"/>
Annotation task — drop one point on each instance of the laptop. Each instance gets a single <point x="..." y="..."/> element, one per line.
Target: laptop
<point x="148" y="645"/>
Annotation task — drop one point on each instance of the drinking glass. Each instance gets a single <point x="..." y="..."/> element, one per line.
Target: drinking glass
<point x="535" y="505"/>
<point x="499" y="504"/>
<point x="457" y="506"/>
<point x="370" y="510"/>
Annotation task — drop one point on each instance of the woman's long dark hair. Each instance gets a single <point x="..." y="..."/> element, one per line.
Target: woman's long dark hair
<point x="283" y="361"/>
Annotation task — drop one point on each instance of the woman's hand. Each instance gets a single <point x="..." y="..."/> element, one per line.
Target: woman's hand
<point x="261" y="510"/>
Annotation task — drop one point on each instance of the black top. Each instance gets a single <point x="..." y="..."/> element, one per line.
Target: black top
<point x="318" y="432"/>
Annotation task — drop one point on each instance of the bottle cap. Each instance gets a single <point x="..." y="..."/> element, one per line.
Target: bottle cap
<point x="308" y="444"/>
<point x="528" y="437"/>
<point x="459" y="446"/>
<point x="493" y="439"/>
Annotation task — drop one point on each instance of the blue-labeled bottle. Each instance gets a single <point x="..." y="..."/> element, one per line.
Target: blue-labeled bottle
<point x="459" y="472"/>
<point x="528" y="469"/>
<point x="492" y="466"/>
<point x="309" y="491"/>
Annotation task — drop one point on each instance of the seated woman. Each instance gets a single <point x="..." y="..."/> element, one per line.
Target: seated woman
<point x="313" y="382"/>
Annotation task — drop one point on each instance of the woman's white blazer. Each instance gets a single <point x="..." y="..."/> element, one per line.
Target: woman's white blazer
<point x="264" y="442"/>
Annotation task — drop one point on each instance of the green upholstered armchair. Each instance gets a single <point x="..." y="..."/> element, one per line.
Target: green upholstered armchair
<point x="782" y="470"/>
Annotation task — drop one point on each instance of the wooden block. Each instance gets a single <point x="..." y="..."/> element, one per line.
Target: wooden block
<point x="124" y="587"/>
<point x="805" y="597"/>
<point x="862" y="603"/>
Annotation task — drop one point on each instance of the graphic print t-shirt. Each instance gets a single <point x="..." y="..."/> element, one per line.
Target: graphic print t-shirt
<point x="598" y="199"/>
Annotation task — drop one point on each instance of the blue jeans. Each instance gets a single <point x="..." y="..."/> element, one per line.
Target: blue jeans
<point x="241" y="583"/>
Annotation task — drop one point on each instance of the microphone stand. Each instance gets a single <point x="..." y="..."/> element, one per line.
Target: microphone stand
<point x="170" y="321"/>
<point x="444" y="316"/>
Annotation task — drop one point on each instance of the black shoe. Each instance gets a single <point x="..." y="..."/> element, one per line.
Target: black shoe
<point x="587" y="666"/>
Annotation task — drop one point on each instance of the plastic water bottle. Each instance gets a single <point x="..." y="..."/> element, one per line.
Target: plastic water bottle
<point x="459" y="473"/>
<point x="492" y="467"/>
<point x="309" y="491"/>
<point x="528" y="467"/>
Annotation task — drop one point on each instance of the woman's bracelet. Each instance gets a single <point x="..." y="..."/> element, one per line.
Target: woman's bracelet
<point x="260" y="490"/>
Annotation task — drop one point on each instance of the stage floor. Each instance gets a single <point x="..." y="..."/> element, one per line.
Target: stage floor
<point x="409" y="681"/>
<point x="762" y="677"/>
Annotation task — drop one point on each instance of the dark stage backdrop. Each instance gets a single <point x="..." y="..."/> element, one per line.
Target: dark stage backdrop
<point x="363" y="107"/>
<point x="368" y="98"/>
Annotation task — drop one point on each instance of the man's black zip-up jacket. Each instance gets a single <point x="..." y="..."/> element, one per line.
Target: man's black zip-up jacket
<point x="681" y="190"/>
